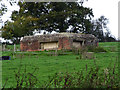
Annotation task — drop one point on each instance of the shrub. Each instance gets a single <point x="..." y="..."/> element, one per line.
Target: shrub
<point x="80" y="50"/>
<point x="94" y="78"/>
<point x="96" y="49"/>
<point x="99" y="49"/>
<point x="24" y="79"/>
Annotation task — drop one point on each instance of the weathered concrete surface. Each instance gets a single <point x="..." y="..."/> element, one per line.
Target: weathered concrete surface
<point x="57" y="41"/>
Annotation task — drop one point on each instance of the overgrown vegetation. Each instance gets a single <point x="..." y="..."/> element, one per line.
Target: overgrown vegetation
<point x="24" y="79"/>
<point x="86" y="78"/>
<point x="92" y="79"/>
<point x="96" y="49"/>
<point x="47" y="16"/>
<point x="32" y="69"/>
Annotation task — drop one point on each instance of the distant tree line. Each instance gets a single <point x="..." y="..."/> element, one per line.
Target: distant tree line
<point x="55" y="16"/>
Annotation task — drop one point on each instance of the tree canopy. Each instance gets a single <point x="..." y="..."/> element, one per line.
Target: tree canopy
<point x="54" y="16"/>
<point x="100" y="29"/>
<point x="19" y="28"/>
<point x="57" y="16"/>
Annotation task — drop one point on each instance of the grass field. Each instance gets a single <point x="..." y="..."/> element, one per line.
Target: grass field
<point x="46" y="65"/>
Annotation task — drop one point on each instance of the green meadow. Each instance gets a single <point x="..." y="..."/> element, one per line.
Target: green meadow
<point x="42" y="65"/>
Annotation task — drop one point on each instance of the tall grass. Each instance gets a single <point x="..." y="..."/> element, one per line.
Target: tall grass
<point x="101" y="75"/>
<point x="92" y="78"/>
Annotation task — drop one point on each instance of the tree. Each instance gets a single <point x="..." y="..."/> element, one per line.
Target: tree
<point x="3" y="9"/>
<point x="57" y="16"/>
<point x="100" y="29"/>
<point x="3" y="6"/>
<point x="51" y="16"/>
<point x="19" y="28"/>
<point x="108" y="37"/>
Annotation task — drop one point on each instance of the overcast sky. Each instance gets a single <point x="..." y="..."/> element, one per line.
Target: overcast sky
<point x="108" y="8"/>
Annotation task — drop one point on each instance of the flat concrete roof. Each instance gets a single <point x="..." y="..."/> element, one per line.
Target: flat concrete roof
<point x="55" y="37"/>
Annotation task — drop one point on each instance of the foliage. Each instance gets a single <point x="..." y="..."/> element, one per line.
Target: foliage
<point x="100" y="29"/>
<point x="93" y="79"/>
<point x="89" y="77"/>
<point x="49" y="65"/>
<point x="3" y="8"/>
<point x="96" y="49"/>
<point x="88" y="49"/>
<point x="19" y="28"/>
<point x="24" y="79"/>
<point x="57" y="16"/>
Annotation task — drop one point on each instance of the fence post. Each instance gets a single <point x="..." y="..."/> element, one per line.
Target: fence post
<point x="14" y="51"/>
<point x="14" y="47"/>
<point x="3" y="47"/>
